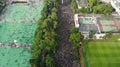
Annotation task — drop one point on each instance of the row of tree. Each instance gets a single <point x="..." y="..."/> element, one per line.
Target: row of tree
<point x="2" y="4"/>
<point x="76" y="37"/>
<point x="45" y="39"/>
<point x="94" y="6"/>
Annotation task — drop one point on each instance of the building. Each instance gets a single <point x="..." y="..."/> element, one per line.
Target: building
<point x="97" y="23"/>
<point x="107" y="1"/>
<point x="82" y="3"/>
<point x="115" y="4"/>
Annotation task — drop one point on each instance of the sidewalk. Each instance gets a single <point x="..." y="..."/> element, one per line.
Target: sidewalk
<point x="81" y="56"/>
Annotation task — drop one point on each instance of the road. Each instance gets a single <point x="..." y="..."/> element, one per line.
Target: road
<point x="64" y="55"/>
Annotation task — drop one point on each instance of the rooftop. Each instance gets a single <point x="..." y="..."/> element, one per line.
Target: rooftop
<point x="105" y="1"/>
<point x="84" y="28"/>
<point x="98" y="23"/>
<point x="82" y="3"/>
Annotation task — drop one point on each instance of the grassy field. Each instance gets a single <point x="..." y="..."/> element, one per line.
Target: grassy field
<point x="102" y="54"/>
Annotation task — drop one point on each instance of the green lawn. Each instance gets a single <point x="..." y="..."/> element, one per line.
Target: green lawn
<point x="102" y="54"/>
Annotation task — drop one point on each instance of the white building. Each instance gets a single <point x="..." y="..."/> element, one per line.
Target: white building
<point x="76" y="20"/>
<point x="99" y="36"/>
<point x="115" y="4"/>
<point x="107" y="1"/>
<point x="82" y="3"/>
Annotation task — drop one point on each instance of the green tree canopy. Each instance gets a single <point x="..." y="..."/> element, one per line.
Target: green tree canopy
<point x="93" y="3"/>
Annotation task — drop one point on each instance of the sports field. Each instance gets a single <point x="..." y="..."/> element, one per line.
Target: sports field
<point x="102" y="54"/>
<point x="18" y="23"/>
<point x="86" y="21"/>
<point x="22" y="32"/>
<point x="19" y="11"/>
<point x="14" y="57"/>
<point x="103" y="22"/>
<point x="109" y="28"/>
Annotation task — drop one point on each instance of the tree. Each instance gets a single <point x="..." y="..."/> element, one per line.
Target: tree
<point x="93" y="3"/>
<point x="108" y="10"/>
<point x="54" y="16"/>
<point x="91" y="33"/>
<point x="108" y="34"/>
<point x="47" y="25"/>
<point x="49" y="61"/>
<point x="45" y="11"/>
<point x="45" y="38"/>
<point x="55" y="25"/>
<point x="83" y="10"/>
<point x="75" y="36"/>
<point x="54" y="9"/>
<point x="74" y="30"/>
<point x="74" y="6"/>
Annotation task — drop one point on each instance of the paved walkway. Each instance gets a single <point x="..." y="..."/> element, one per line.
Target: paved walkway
<point x="82" y="57"/>
<point x="14" y="46"/>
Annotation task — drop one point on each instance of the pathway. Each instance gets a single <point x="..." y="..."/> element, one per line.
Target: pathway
<point x="14" y="45"/>
<point x="81" y="56"/>
<point x="64" y="55"/>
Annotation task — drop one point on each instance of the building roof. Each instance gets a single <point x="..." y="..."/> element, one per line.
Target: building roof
<point x="107" y="1"/>
<point x="98" y="23"/>
<point x="86" y="28"/>
<point x="19" y="0"/>
<point x="82" y="3"/>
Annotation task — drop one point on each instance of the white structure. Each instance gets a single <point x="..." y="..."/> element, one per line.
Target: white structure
<point x="99" y="36"/>
<point x="107" y="1"/>
<point x="62" y="1"/>
<point x="20" y="1"/>
<point x="15" y="41"/>
<point x="76" y="20"/>
<point x="82" y="3"/>
<point x="116" y="5"/>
